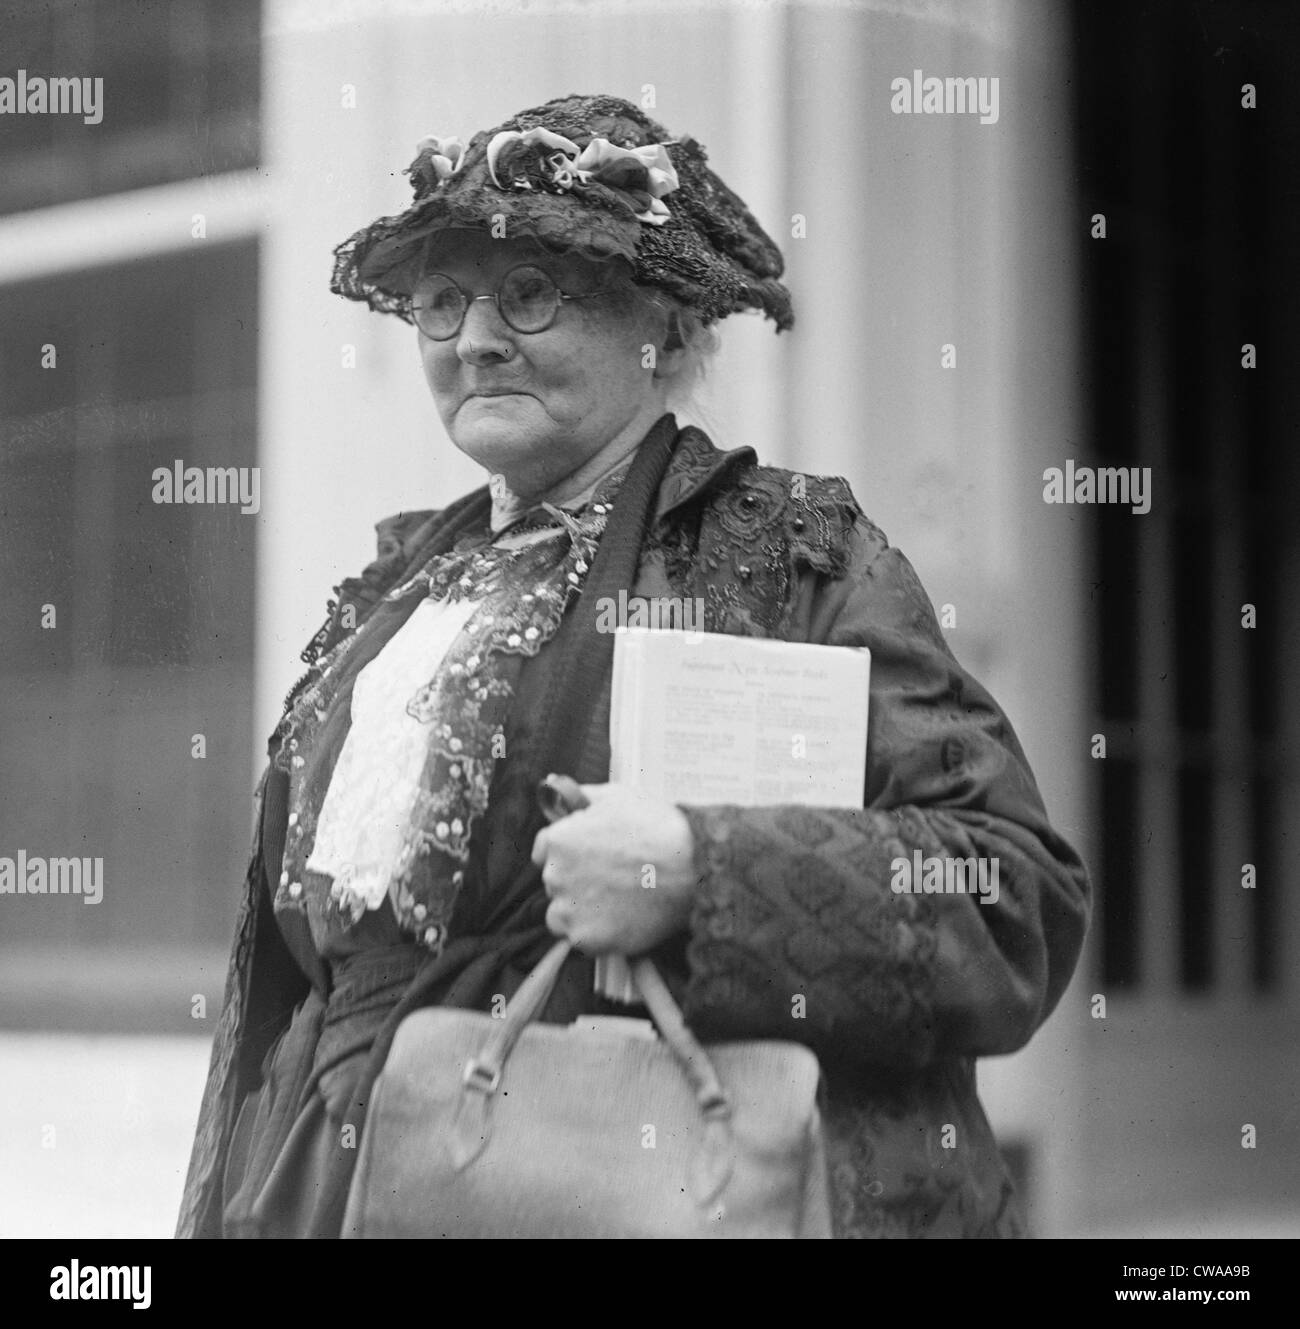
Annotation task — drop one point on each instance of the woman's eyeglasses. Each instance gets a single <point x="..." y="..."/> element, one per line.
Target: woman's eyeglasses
<point x="526" y="297"/>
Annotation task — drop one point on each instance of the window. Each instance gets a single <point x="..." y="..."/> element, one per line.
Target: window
<point x="146" y="364"/>
<point x="1189" y="687"/>
<point x="180" y="96"/>
<point x="155" y="362"/>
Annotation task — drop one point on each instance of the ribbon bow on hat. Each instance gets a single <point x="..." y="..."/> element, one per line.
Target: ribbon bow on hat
<point x="644" y="174"/>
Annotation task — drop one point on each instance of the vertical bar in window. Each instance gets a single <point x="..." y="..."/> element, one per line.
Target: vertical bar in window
<point x="1231" y="766"/>
<point x="1159" y="853"/>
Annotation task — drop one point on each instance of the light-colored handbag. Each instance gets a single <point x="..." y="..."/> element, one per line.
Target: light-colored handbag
<point x="487" y="1127"/>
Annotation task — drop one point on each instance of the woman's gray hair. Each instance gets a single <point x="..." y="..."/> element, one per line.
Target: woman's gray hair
<point x="680" y="327"/>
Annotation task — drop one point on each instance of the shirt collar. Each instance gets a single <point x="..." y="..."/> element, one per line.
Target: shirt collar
<point x="508" y="509"/>
<point x="696" y="466"/>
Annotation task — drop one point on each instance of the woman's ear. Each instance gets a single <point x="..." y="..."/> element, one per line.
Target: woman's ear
<point x="673" y="341"/>
<point x="669" y="360"/>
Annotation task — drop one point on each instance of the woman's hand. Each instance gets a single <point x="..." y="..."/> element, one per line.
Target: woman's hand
<point x="620" y="873"/>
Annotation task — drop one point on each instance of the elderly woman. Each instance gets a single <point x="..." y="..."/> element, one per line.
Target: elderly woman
<point x="565" y="272"/>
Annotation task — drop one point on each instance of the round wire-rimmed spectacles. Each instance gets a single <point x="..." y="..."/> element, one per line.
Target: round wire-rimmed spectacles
<point x="526" y="297"/>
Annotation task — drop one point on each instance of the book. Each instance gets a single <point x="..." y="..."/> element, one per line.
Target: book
<point x="708" y="718"/>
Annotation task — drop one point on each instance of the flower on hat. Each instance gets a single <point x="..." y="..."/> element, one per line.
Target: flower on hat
<point x="541" y="159"/>
<point x="645" y="174"/>
<point x="437" y="159"/>
<point x="533" y="158"/>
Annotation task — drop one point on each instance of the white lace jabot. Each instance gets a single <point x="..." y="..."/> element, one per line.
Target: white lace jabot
<point x="375" y="785"/>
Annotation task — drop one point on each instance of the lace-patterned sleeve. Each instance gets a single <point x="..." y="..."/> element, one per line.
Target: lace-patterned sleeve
<point x="799" y="930"/>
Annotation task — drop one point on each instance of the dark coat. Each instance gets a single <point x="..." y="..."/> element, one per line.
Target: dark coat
<point x="901" y="992"/>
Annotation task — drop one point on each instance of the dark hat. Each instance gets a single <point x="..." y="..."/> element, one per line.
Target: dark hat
<point x="591" y="175"/>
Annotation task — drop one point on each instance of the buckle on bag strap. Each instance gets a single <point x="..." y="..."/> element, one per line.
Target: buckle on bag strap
<point x="471" y="1123"/>
<point x="481" y="1076"/>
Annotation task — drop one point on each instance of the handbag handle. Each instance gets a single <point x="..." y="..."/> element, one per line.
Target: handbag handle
<point x="712" y="1165"/>
<point x="557" y="796"/>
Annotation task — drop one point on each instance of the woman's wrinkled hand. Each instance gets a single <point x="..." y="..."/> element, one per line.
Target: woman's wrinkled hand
<point x="619" y="873"/>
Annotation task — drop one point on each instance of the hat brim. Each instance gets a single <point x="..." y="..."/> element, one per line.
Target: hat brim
<point x="389" y="255"/>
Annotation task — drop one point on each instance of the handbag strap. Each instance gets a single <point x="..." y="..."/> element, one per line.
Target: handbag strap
<point x="709" y="1093"/>
<point x="483" y="1071"/>
<point x="712" y="1165"/>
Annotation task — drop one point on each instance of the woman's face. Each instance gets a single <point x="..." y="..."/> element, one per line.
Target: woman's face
<point x="535" y="407"/>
